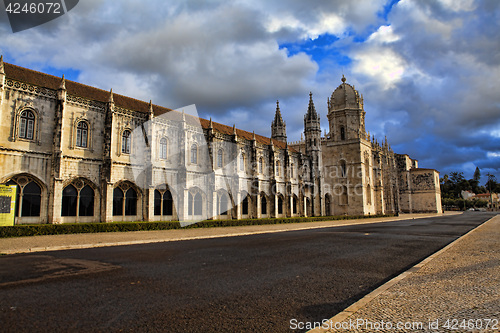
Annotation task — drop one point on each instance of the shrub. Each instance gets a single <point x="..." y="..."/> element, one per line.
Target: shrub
<point x="77" y="228"/>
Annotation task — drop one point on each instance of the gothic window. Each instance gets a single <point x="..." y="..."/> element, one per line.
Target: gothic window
<point x="117" y="202"/>
<point x="278" y="168"/>
<point x="198" y="204"/>
<point x="222" y="204"/>
<point x="194" y="154"/>
<point x="294" y="204"/>
<point x="77" y="202"/>
<point x="69" y="201"/>
<point x="130" y="202"/>
<point x="342" y="133"/>
<point x="220" y="155"/>
<point x="124" y="202"/>
<point x="86" y="202"/>
<point x="263" y="204"/>
<point x="280" y="205"/>
<point x="291" y="170"/>
<point x="82" y="130"/>
<point x="28" y="198"/>
<point x="195" y="204"/>
<point x="163" y="148"/>
<point x="315" y="142"/>
<point x="244" y="206"/>
<point x="242" y="162"/>
<point x="27" y="125"/>
<point x="261" y="165"/>
<point x="343" y="168"/>
<point x="126" y="142"/>
<point x="163" y="203"/>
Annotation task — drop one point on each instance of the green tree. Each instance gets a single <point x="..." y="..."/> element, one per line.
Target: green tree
<point x="477" y="175"/>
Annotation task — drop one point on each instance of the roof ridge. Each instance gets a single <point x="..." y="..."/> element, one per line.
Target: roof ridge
<point x="47" y="84"/>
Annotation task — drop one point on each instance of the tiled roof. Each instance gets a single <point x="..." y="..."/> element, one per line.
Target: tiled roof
<point x="78" y="89"/>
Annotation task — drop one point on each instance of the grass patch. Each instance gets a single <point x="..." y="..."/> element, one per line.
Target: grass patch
<point x="79" y="228"/>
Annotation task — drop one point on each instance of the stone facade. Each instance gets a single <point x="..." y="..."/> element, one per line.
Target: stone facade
<point x="70" y="150"/>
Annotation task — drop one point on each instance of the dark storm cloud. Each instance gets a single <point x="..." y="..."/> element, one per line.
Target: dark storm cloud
<point x="429" y="75"/>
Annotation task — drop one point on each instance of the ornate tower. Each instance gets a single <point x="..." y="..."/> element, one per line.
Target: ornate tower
<point x="312" y="129"/>
<point x="278" y="126"/>
<point x="348" y="155"/>
<point x="346" y="114"/>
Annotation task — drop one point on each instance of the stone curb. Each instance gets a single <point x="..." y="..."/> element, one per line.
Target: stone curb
<point x="352" y="309"/>
<point x="161" y="240"/>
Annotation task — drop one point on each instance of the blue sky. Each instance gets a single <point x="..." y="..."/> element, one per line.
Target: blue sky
<point x="429" y="71"/>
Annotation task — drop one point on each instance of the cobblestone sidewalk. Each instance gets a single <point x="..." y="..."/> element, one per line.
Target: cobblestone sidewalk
<point x="455" y="290"/>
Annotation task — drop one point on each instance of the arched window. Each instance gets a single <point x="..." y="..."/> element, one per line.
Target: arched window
<point x="280" y="205"/>
<point x="124" y="202"/>
<point x="342" y="133"/>
<point x="194" y="154"/>
<point x="126" y="142"/>
<point x="130" y="202"/>
<point x="82" y="130"/>
<point x="198" y="204"/>
<point x="77" y="202"/>
<point x="27" y="125"/>
<point x="195" y="204"/>
<point x="168" y="203"/>
<point x="222" y="204"/>
<point x="261" y="165"/>
<point x="190" y="204"/>
<point x="220" y="156"/>
<point x="242" y="162"/>
<point x="291" y="170"/>
<point x="343" y="168"/>
<point x="86" y="202"/>
<point x="263" y="204"/>
<point x="163" y="148"/>
<point x="69" y="201"/>
<point x="294" y="204"/>
<point x="278" y="168"/>
<point x="163" y="203"/>
<point x="244" y="206"/>
<point x="28" y="198"/>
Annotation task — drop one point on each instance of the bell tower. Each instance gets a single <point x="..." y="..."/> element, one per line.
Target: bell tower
<point x="346" y="114"/>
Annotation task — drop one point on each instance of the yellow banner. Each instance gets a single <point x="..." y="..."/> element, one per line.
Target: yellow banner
<point x="7" y="204"/>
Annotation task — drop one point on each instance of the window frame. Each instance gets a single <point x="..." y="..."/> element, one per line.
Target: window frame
<point x="194" y="154"/>
<point x="79" y="142"/>
<point x="126" y="141"/>
<point x="163" y="148"/>
<point x="25" y="122"/>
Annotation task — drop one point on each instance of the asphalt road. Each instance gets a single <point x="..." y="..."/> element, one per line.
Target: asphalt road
<point x="252" y="283"/>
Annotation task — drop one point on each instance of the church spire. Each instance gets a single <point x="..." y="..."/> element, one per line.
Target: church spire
<point x="278" y="126"/>
<point x="311" y="110"/>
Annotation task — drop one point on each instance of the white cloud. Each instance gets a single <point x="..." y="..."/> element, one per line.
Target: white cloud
<point x="384" y="34"/>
